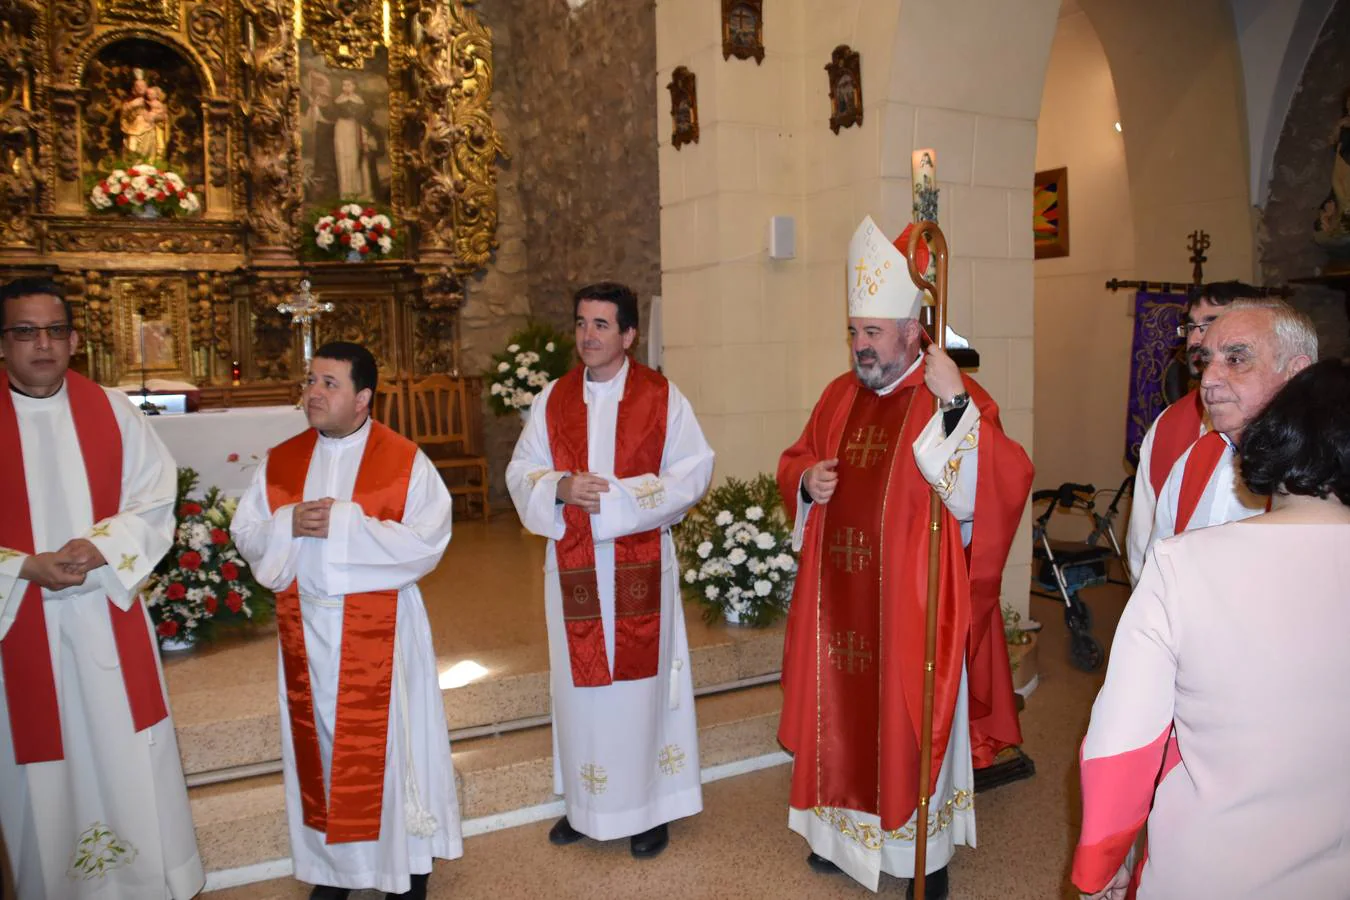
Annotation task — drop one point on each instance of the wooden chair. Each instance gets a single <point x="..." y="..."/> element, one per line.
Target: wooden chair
<point x="391" y="404"/>
<point x="441" y="424"/>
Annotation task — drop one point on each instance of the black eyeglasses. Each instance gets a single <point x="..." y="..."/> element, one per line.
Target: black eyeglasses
<point x="1185" y="331"/>
<point x="57" y="332"/>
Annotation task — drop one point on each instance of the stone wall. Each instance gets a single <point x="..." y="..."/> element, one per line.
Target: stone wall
<point x="1302" y="181"/>
<point x="585" y="145"/>
<point x="575" y="100"/>
<point x="497" y="299"/>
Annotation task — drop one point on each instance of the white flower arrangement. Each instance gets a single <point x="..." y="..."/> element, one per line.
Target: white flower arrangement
<point x="535" y="356"/>
<point x="736" y="554"/>
<point x="144" y="189"/>
<point x="355" y="232"/>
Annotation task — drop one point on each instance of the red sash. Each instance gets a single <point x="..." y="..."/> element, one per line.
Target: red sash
<point x="639" y="442"/>
<point x="355" y="801"/>
<point x="30" y="682"/>
<point x="1176" y="429"/>
<point x="1200" y="465"/>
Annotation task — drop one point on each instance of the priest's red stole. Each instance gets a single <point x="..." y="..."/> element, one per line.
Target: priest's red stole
<point x="1200" y="466"/>
<point x="853" y="654"/>
<point x="1176" y="429"/>
<point x="30" y="682"/>
<point x="639" y="443"/>
<point x="355" y="801"/>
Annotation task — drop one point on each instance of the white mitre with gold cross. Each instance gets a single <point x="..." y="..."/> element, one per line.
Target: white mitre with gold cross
<point x="877" y="277"/>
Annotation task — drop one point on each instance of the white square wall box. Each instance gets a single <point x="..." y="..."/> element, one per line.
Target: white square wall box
<point x="782" y="237"/>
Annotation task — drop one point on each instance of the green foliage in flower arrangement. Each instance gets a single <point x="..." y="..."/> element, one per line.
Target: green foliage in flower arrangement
<point x="735" y="553"/>
<point x="534" y="356"/>
<point x="203" y="583"/>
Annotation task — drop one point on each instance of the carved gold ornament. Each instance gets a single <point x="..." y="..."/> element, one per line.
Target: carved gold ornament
<point x="346" y="32"/>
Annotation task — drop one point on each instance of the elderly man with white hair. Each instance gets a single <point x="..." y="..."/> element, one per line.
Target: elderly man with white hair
<point x="1249" y="353"/>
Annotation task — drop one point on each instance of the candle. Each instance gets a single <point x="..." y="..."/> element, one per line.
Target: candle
<point x="924" y="166"/>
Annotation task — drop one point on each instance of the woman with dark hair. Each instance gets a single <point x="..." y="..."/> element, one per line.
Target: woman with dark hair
<point x="1224" y="720"/>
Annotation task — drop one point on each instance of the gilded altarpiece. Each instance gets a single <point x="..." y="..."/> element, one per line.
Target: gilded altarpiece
<point x="269" y="112"/>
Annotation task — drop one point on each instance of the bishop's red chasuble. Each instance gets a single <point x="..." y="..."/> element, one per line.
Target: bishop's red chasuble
<point x="854" y="650"/>
<point x="639" y="443"/>
<point x="351" y="809"/>
<point x="30" y="682"/>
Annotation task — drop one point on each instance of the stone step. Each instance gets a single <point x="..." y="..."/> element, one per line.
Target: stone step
<point x="243" y="823"/>
<point x="220" y="729"/>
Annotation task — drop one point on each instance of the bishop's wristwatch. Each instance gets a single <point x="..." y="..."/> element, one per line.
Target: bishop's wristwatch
<point x="957" y="402"/>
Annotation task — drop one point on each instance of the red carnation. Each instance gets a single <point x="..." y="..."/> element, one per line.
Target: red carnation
<point x="390" y="232"/>
<point x="209" y="601"/>
<point x="219" y="536"/>
<point x="190" y="509"/>
<point x="168" y="628"/>
<point x="175" y="591"/>
<point x="342" y="214"/>
<point x="122" y="200"/>
<point x="345" y="239"/>
<point x="365" y="248"/>
<point x="140" y="196"/>
<point x="232" y="458"/>
<point x="103" y="185"/>
<point x="368" y="212"/>
<point x="229" y="571"/>
<point x="234" y="601"/>
<point x="191" y="560"/>
<point x="161" y="196"/>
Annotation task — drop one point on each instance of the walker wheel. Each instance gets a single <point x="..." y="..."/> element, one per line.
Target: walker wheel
<point x="1086" y="652"/>
<point x="1078" y="616"/>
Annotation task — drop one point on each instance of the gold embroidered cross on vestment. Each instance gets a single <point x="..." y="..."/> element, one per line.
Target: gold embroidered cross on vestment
<point x="866" y="447"/>
<point x="671" y="759"/>
<point x="594" y="779"/>
<point x="850" y="552"/>
<point x="849" y="650"/>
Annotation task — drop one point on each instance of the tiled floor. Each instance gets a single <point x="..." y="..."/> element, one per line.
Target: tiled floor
<point x="739" y="847"/>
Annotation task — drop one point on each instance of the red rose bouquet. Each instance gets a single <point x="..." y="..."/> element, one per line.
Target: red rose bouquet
<point x="202" y="582"/>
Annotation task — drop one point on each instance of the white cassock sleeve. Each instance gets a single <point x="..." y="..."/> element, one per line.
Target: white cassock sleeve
<point x="264" y="537"/>
<point x="363" y="553"/>
<point x="530" y="477"/>
<point x="656" y="500"/>
<point x="12" y="587"/>
<point x="950" y="464"/>
<point x="136" y="539"/>
<point x="1142" y="509"/>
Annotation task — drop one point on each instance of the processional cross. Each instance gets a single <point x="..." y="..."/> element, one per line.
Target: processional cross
<point x="304" y="308"/>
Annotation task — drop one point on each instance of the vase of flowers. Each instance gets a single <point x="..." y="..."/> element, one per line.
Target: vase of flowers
<point x="144" y="191"/>
<point x="202" y="583"/>
<point x="355" y="233"/>
<point x="1022" y="656"/>
<point x="534" y="356"/>
<point x="735" y="553"/>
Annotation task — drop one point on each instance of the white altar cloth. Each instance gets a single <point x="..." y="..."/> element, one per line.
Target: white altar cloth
<point x="225" y="446"/>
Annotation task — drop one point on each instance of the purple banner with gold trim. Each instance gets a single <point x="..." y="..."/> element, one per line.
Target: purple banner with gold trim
<point x="1158" y="372"/>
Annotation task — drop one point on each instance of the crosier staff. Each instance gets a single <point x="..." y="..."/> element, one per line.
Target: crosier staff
<point x="938" y="288"/>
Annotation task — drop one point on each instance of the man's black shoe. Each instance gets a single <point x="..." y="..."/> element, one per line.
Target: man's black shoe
<point x="324" y="892"/>
<point x="649" y="843"/>
<point x="822" y="865"/>
<point x="417" y="891"/>
<point x="934" y="886"/>
<point x="562" y="833"/>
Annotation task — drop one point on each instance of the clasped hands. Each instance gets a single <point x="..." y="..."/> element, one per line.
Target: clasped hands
<point x="583" y="489"/>
<point x="310" y="518"/>
<point x="57" y="570"/>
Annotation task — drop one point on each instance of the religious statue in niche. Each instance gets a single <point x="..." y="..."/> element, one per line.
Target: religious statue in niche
<point x="145" y="121"/>
<point x="683" y="108"/>
<point x="344" y="130"/>
<point x="144" y="105"/>
<point x="846" y="97"/>
<point x="743" y="29"/>
<point x="1331" y="230"/>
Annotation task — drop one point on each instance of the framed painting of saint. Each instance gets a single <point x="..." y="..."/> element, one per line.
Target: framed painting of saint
<point x="344" y="130"/>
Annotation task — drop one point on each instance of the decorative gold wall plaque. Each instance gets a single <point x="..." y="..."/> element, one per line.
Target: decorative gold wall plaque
<point x="683" y="108"/>
<point x="846" y="94"/>
<point x="345" y="32"/>
<point x="743" y="29"/>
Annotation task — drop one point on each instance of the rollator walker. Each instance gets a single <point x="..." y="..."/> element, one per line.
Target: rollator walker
<point x="1064" y="568"/>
